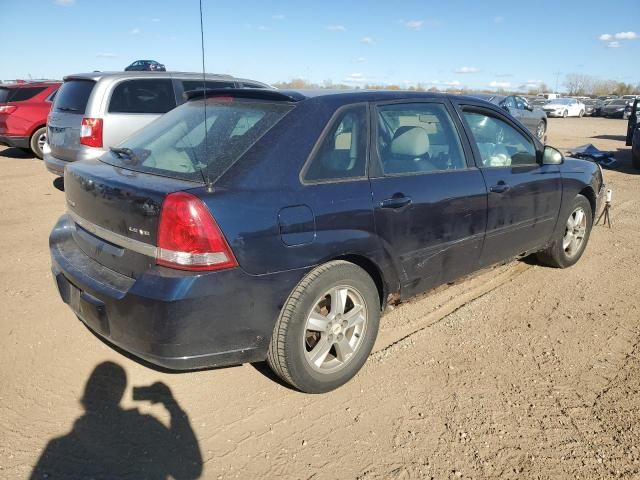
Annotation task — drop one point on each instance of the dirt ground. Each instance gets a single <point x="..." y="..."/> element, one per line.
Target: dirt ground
<point x="523" y="372"/>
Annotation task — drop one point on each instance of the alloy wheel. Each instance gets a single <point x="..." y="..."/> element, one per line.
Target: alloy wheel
<point x="575" y="232"/>
<point x="334" y="329"/>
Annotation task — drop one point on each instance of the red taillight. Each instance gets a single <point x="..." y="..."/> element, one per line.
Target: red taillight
<point x="7" y="109"/>
<point x="91" y="132"/>
<point x="189" y="238"/>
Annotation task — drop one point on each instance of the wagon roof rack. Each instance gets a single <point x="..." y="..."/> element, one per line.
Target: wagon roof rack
<point x="252" y="93"/>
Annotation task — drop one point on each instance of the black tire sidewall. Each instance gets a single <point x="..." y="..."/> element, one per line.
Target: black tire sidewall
<point x="33" y="143"/>
<point x="303" y="376"/>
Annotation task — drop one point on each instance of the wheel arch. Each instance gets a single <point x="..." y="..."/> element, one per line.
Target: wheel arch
<point x="374" y="272"/>
<point x="35" y="129"/>
<point x="591" y="196"/>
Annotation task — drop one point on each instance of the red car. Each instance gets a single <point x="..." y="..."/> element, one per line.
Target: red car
<point x="23" y="114"/>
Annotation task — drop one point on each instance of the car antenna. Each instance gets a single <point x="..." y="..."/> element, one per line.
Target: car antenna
<point x="205" y="176"/>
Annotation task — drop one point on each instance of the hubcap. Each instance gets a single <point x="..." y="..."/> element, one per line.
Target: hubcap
<point x="334" y="329"/>
<point x="574" y="232"/>
<point x="540" y="130"/>
<point x="42" y="139"/>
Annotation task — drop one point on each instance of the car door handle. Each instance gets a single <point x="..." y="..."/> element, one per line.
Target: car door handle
<point x="501" y="187"/>
<point x="395" y="202"/>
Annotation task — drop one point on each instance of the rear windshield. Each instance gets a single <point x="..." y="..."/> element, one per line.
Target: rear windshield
<point x="4" y="94"/>
<point x="24" y="93"/>
<point x="175" y="145"/>
<point x="73" y="96"/>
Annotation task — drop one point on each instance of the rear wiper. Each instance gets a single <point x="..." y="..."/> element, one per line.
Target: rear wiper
<point x="126" y="153"/>
<point x="67" y="109"/>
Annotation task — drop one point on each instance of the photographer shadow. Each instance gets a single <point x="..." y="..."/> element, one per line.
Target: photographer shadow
<point x="111" y="442"/>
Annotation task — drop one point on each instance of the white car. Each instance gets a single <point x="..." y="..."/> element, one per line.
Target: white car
<point x="564" y="107"/>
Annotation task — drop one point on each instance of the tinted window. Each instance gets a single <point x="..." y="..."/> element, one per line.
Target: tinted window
<point x="73" y="96"/>
<point x="251" y="85"/>
<point x="521" y="103"/>
<point x="500" y="144"/>
<point x="143" y="96"/>
<point x="189" y="85"/>
<point x="342" y="154"/>
<point x="175" y="145"/>
<point x="25" y="93"/>
<point x="508" y="102"/>
<point x="4" y="94"/>
<point x="416" y="138"/>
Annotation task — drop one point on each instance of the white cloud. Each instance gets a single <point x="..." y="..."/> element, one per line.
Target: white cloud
<point x="496" y="84"/>
<point x="357" y="78"/>
<point x="626" y="35"/>
<point x="613" y="44"/>
<point x="336" y="28"/>
<point x="106" y="55"/>
<point x="368" y="40"/>
<point x="278" y="16"/>
<point x="65" y="3"/>
<point x="135" y="31"/>
<point x="498" y="19"/>
<point x="605" y="37"/>
<point x="467" y="70"/>
<point x="452" y="83"/>
<point x="414" y="24"/>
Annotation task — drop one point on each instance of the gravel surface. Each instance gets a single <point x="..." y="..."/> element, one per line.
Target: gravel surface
<point x="518" y="372"/>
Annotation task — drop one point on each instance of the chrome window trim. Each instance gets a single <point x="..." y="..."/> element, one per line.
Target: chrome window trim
<point x="115" y="238"/>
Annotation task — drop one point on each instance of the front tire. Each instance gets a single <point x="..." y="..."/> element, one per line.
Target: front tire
<point x="326" y="329"/>
<point x="569" y="245"/>
<point x="565" y="114"/>
<point x="37" y="141"/>
<point x="581" y="114"/>
<point x="541" y="129"/>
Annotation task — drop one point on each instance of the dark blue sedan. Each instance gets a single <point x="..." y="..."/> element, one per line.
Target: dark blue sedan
<point x="257" y="224"/>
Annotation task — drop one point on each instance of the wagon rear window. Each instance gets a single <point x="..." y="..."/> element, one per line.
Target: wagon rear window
<point x="176" y="146"/>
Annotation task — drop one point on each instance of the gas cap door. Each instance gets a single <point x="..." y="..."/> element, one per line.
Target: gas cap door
<point x="297" y="225"/>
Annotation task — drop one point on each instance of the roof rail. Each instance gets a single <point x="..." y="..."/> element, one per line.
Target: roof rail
<point x="253" y="93"/>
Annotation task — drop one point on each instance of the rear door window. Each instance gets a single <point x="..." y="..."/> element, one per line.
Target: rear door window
<point x="143" y="96"/>
<point x="25" y="93"/>
<point x="417" y="138"/>
<point x="73" y="96"/>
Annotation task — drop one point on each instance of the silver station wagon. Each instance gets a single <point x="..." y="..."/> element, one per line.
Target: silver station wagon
<point x="95" y="111"/>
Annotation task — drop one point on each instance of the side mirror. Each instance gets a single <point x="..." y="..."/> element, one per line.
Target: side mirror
<point x="551" y="156"/>
<point x="529" y="107"/>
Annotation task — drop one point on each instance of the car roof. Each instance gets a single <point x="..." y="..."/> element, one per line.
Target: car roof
<point x="96" y="76"/>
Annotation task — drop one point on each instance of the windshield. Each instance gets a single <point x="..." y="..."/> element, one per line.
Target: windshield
<point x="618" y="102"/>
<point x="175" y="145"/>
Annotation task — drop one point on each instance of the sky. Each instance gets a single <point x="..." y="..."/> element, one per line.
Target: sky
<point x="454" y="43"/>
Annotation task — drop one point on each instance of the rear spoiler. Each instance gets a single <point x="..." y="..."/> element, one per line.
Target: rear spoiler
<point x="252" y="93"/>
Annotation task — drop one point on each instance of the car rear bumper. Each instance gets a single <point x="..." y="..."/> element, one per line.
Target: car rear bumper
<point x="56" y="165"/>
<point x="173" y="319"/>
<point x="17" y="142"/>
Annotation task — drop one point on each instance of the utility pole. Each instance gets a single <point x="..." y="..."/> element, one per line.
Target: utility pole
<point x="557" y="74"/>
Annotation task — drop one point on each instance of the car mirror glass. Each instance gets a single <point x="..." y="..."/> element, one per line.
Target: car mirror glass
<point x="551" y="156"/>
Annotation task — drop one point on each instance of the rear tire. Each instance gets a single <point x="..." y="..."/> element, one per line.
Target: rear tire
<point x="541" y="129"/>
<point x="635" y="160"/>
<point x="565" y="114"/>
<point x="569" y="245"/>
<point x="581" y="114"/>
<point x="326" y="328"/>
<point x="37" y="141"/>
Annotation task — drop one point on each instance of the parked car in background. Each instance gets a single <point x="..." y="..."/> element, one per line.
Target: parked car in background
<point x="533" y="118"/>
<point x="597" y="107"/>
<point x="23" y="114"/>
<point x="633" y="133"/>
<point x="614" y="108"/>
<point x="565" y="107"/>
<point x="590" y="107"/>
<point x="145" y="65"/>
<point x="538" y="102"/>
<point x="281" y="232"/>
<point x="95" y="111"/>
